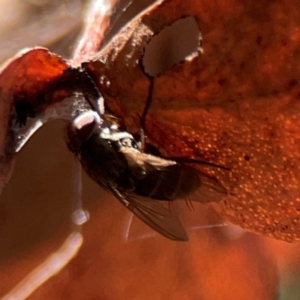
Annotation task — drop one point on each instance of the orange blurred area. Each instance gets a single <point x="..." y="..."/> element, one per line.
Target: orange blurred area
<point x="121" y="258"/>
<point x="217" y="262"/>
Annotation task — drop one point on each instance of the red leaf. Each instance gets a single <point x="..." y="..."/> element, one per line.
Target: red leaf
<point x="235" y="105"/>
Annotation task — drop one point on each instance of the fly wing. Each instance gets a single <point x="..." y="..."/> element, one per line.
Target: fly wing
<point x="210" y="189"/>
<point x="141" y="163"/>
<point x="153" y="214"/>
<point x="191" y="183"/>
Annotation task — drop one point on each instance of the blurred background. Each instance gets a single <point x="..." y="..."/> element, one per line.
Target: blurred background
<point x="121" y="258"/>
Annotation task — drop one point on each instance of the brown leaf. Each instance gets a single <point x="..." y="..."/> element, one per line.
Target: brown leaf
<point x="28" y="76"/>
<point x="24" y="81"/>
<point x="236" y="104"/>
<point x="212" y="266"/>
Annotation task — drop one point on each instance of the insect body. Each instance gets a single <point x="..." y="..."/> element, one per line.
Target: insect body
<point x="113" y="159"/>
<point x="110" y="156"/>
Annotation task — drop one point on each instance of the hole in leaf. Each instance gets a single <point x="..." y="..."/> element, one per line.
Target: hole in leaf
<point x="174" y="44"/>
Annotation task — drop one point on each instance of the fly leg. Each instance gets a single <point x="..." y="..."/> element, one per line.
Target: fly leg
<point x="142" y="140"/>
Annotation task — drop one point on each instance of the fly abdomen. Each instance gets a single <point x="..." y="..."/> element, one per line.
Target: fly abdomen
<point x="168" y="183"/>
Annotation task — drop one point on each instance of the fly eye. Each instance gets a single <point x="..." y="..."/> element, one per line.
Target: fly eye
<point x="85" y="125"/>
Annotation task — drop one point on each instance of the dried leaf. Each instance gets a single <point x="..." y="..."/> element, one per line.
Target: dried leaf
<point x="236" y="104"/>
<point x="193" y="269"/>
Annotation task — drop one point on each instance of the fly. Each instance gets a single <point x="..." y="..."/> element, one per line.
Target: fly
<point x="115" y="160"/>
